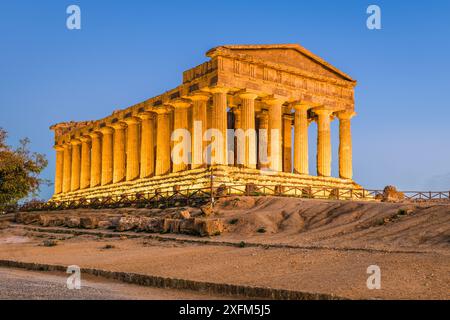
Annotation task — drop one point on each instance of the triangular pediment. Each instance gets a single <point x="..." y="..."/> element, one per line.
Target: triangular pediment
<point x="291" y="55"/>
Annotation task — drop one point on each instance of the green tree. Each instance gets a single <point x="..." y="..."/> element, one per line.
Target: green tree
<point x="19" y="172"/>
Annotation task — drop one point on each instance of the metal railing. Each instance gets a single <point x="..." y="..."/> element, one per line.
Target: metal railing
<point x="200" y="196"/>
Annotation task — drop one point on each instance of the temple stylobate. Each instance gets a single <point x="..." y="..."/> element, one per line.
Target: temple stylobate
<point x="247" y="113"/>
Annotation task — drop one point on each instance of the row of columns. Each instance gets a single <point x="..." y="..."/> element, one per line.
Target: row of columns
<point x="126" y="150"/>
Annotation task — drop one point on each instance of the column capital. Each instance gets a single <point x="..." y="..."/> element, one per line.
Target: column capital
<point x="58" y="147"/>
<point x="263" y="114"/>
<point x="85" y="138"/>
<point x="199" y="96"/>
<point x="118" y="125"/>
<point x="75" y="142"/>
<point x="323" y="111"/>
<point x="345" y="114"/>
<point x="180" y="104"/>
<point x="247" y="95"/>
<point x="131" y="120"/>
<point x="274" y="101"/>
<point x="288" y="116"/>
<point x="106" y="130"/>
<point x="145" y="115"/>
<point x="219" y="90"/>
<point x="94" y="134"/>
<point x="297" y="105"/>
<point x="162" y="110"/>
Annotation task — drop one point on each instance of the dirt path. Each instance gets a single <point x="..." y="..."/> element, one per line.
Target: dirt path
<point x="22" y="284"/>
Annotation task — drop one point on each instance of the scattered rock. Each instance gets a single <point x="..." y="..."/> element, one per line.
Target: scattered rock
<point x="50" y="243"/>
<point x="26" y="218"/>
<point x="208" y="227"/>
<point x="184" y="214"/>
<point x="390" y="194"/>
<point x="51" y="221"/>
<point x="105" y="224"/>
<point x="128" y="223"/>
<point x="89" y="222"/>
<point x="206" y="210"/>
<point x="72" y="222"/>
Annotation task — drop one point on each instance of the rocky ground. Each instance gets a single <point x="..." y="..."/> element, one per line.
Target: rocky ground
<point x="304" y="245"/>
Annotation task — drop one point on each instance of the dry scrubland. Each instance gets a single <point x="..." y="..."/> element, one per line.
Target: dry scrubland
<point x="285" y="243"/>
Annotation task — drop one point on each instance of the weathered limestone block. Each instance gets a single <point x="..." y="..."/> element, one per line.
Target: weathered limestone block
<point x="187" y="226"/>
<point x="155" y="225"/>
<point x="26" y="218"/>
<point x="50" y="221"/>
<point x="209" y="227"/>
<point x="72" y="222"/>
<point x="171" y="225"/>
<point x="183" y="214"/>
<point x="89" y="222"/>
<point x="128" y="223"/>
<point x="206" y="210"/>
<point x="105" y="224"/>
<point x="390" y="194"/>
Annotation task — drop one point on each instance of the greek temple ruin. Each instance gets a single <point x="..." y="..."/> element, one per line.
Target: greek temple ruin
<point x="268" y="93"/>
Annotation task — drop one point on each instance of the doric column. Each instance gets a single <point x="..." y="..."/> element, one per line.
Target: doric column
<point x="96" y="159"/>
<point x="275" y="134"/>
<point x="85" y="177"/>
<point x="132" y="148"/>
<point x="76" y="164"/>
<point x="67" y="176"/>
<point x="59" y="170"/>
<point x="248" y="124"/>
<point x="119" y="156"/>
<point x="287" y="143"/>
<point x="107" y="155"/>
<point x="147" y="144"/>
<point x="162" y="142"/>
<point x="263" y="131"/>
<point x="199" y="125"/>
<point x="345" y="144"/>
<point x="219" y="122"/>
<point x="301" y="124"/>
<point x="180" y="121"/>
<point x="239" y="149"/>
<point x="323" y="142"/>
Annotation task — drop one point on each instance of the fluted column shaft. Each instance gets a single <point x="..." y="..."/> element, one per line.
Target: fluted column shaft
<point x="119" y="157"/>
<point x="199" y="119"/>
<point x="287" y="143"/>
<point x="263" y="143"/>
<point x="162" y="143"/>
<point x="67" y="168"/>
<point x="275" y="134"/>
<point x="323" y="142"/>
<point x="147" y="144"/>
<point x="85" y="176"/>
<point x="219" y="122"/>
<point x="248" y="126"/>
<point x="345" y="145"/>
<point x="132" y="148"/>
<point x="239" y="148"/>
<point x="76" y="165"/>
<point x="107" y="155"/>
<point x="180" y="121"/>
<point x="96" y="159"/>
<point x="301" y="158"/>
<point x="59" y="170"/>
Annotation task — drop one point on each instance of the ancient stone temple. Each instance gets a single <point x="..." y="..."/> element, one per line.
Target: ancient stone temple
<point x="246" y="113"/>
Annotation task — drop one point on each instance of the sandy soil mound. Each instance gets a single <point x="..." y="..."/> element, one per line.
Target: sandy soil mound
<point x="336" y="223"/>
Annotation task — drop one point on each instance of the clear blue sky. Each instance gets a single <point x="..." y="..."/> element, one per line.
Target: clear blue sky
<point x="128" y="51"/>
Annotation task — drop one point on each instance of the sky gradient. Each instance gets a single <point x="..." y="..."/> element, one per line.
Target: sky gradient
<point x="129" y="51"/>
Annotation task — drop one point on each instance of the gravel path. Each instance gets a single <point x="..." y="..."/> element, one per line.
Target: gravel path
<point x="21" y="284"/>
